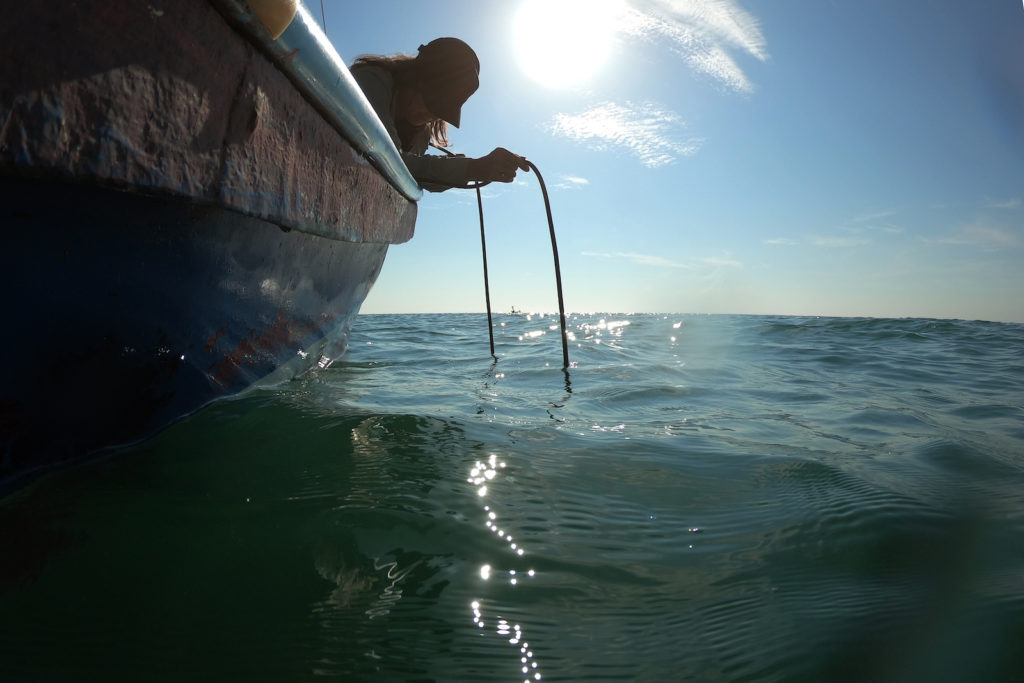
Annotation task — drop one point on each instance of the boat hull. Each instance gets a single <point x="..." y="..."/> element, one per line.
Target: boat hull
<point x="169" y="98"/>
<point x="180" y="218"/>
<point x="125" y="312"/>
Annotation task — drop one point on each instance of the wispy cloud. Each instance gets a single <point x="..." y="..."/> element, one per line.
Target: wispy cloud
<point x="985" y="237"/>
<point x="724" y="261"/>
<point x="571" y="182"/>
<point x="878" y="222"/>
<point x="705" y="33"/>
<point x="1006" y="204"/>
<point x="874" y="217"/>
<point x="633" y="257"/>
<point x="779" y="242"/>
<point x="830" y="242"/>
<point x="654" y="135"/>
<point x="702" y="32"/>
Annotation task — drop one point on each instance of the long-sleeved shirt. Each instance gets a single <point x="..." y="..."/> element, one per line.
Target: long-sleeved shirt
<point x="432" y="172"/>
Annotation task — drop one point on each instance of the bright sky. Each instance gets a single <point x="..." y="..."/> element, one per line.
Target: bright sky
<point x="806" y="157"/>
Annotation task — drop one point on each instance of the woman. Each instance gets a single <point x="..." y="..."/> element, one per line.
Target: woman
<point x="415" y="98"/>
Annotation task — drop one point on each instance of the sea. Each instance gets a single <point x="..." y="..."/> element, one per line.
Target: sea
<point x="695" y="498"/>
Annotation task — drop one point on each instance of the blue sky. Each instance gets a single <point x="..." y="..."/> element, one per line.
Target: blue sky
<point x="800" y="157"/>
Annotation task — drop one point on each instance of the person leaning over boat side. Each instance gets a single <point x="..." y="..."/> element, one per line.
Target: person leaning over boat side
<point x="416" y="97"/>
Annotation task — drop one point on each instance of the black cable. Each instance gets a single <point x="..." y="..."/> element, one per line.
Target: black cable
<point x="558" y="269"/>
<point x="487" y="285"/>
<point x="554" y="254"/>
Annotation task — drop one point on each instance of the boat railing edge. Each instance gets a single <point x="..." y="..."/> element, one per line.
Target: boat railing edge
<point x="306" y="56"/>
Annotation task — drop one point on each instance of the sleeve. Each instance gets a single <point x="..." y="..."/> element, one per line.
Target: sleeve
<point x="437" y="173"/>
<point x="434" y="173"/>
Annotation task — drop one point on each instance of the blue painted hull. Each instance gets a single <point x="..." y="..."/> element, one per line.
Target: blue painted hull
<point x="125" y="312"/>
<point x="187" y="207"/>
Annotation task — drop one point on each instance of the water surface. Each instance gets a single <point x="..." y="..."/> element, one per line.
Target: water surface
<point x="704" y="498"/>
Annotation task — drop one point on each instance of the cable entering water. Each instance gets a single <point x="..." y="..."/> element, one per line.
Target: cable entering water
<point x="554" y="254"/>
<point x="558" y="269"/>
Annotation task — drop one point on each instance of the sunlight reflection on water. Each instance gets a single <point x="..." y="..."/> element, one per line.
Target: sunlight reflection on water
<point x="763" y="499"/>
<point x="479" y="475"/>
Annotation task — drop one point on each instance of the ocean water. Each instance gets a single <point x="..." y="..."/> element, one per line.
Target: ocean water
<point x="700" y="498"/>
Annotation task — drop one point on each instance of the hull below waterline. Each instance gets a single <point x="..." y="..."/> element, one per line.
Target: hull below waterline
<point x="125" y="312"/>
<point x="188" y="207"/>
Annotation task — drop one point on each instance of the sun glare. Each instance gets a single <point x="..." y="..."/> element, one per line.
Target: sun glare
<point x="563" y="43"/>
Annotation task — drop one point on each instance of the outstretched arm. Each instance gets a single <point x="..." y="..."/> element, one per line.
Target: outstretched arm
<point x="500" y="165"/>
<point x="437" y="174"/>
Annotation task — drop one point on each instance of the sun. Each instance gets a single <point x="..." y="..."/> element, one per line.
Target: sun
<point x="564" y="43"/>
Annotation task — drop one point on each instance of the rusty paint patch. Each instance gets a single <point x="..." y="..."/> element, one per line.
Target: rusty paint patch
<point x="263" y="347"/>
<point x="212" y="341"/>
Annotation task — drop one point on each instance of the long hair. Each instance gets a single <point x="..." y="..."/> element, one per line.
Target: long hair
<point x="404" y="69"/>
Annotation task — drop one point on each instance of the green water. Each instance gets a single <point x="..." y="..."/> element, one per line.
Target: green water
<point x="700" y="498"/>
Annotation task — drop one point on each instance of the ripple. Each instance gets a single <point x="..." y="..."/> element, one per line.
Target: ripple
<point x="758" y="499"/>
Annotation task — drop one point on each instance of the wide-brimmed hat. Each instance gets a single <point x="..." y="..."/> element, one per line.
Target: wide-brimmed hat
<point x="449" y="74"/>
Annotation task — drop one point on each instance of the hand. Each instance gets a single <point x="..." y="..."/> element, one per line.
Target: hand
<point x="500" y="165"/>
